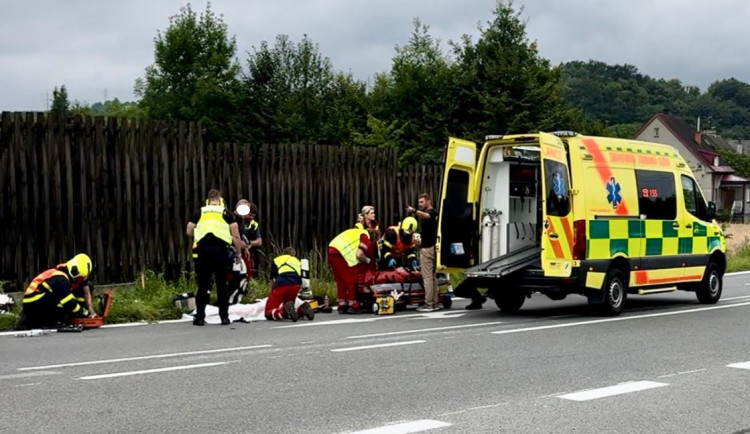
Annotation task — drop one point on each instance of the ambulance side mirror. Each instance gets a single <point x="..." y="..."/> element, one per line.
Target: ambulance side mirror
<point x="711" y="211"/>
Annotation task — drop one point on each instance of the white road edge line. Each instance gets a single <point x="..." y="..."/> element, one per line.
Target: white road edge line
<point x="619" y="389"/>
<point x="155" y="356"/>
<point x="405" y="427"/>
<point x="367" y="347"/>
<point x="620" y="318"/>
<point x="743" y="365"/>
<point x="737" y="273"/>
<point x="736" y="298"/>
<point x="424" y="330"/>
<point x="151" y="371"/>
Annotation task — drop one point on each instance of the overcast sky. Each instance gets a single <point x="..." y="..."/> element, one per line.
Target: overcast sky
<point x="98" y="47"/>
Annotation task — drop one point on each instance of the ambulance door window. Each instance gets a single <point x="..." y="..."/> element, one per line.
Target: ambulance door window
<point x="694" y="203"/>
<point x="558" y="186"/>
<point x="657" y="197"/>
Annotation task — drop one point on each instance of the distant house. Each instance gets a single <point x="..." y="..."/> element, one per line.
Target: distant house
<point x="716" y="178"/>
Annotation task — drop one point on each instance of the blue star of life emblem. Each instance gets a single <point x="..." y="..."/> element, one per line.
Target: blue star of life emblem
<point x="614" y="197"/>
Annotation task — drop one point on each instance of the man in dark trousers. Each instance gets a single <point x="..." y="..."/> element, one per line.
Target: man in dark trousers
<point x="214" y="229"/>
<point x="429" y="217"/>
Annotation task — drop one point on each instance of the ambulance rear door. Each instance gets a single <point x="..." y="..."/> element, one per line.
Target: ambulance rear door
<point x="557" y="224"/>
<point x="457" y="229"/>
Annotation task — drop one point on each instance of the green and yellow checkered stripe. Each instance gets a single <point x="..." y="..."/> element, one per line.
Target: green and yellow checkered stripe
<point x="636" y="238"/>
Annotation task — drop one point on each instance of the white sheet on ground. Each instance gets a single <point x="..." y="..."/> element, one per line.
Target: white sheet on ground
<point x="247" y="312"/>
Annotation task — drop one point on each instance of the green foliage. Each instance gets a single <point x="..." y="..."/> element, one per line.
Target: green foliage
<point x="149" y="302"/>
<point x="505" y="85"/>
<point x="739" y="260"/>
<point x="60" y="101"/>
<point x="194" y="75"/>
<point x="739" y="162"/>
<point x="291" y="93"/>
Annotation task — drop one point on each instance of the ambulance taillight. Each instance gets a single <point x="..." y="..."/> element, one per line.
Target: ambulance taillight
<point x="579" y="240"/>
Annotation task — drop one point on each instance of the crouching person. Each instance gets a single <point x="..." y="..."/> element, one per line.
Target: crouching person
<point x="286" y="280"/>
<point x="49" y="300"/>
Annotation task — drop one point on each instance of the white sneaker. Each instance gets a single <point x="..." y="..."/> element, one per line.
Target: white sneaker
<point x="425" y="309"/>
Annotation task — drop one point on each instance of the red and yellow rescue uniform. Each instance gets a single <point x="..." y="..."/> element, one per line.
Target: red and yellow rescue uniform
<point x="49" y="299"/>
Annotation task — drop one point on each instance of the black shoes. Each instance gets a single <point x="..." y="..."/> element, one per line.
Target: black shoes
<point x="476" y="303"/>
<point x="290" y="310"/>
<point x="198" y="322"/>
<point x="225" y="321"/>
<point x="307" y="310"/>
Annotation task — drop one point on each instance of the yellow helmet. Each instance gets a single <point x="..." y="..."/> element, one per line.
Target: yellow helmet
<point x="409" y="225"/>
<point x="79" y="266"/>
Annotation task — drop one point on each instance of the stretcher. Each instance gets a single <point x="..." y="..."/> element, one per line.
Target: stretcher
<point x="376" y="287"/>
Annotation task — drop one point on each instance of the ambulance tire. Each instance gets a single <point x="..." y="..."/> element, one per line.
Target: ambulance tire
<point x="709" y="290"/>
<point x="375" y="308"/>
<point x="614" y="293"/>
<point x="447" y="301"/>
<point x="510" y="301"/>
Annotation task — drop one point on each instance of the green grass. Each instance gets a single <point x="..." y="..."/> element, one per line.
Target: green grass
<point x="739" y="260"/>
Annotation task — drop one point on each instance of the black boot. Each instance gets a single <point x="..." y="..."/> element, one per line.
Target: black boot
<point x="476" y="303"/>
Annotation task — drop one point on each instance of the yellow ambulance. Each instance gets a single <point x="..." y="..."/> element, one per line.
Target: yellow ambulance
<point x="563" y="213"/>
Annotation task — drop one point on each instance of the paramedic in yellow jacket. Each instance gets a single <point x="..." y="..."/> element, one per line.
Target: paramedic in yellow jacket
<point x="214" y="229"/>
<point x="347" y="256"/>
<point x="49" y="299"/>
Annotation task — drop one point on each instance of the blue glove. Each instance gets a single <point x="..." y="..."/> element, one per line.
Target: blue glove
<point x="414" y="264"/>
<point x="392" y="263"/>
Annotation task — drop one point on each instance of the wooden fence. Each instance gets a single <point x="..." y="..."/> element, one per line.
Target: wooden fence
<point x="122" y="191"/>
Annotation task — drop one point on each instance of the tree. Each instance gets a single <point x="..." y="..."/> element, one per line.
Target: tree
<point x="504" y="84"/>
<point x="416" y="100"/>
<point x="195" y="73"/>
<point x="291" y="93"/>
<point x="60" y="101"/>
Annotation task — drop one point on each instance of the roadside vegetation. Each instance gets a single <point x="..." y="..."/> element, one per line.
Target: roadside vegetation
<point x="151" y="297"/>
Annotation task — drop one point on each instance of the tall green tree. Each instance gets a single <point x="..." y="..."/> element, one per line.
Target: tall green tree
<point x="415" y="101"/>
<point x="195" y="75"/>
<point x="60" y="101"/>
<point x="505" y="85"/>
<point x="291" y="93"/>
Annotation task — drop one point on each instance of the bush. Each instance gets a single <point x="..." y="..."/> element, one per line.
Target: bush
<point x="739" y="260"/>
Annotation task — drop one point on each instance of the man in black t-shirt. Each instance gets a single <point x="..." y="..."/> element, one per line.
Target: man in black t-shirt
<point x="214" y="229"/>
<point x="429" y="217"/>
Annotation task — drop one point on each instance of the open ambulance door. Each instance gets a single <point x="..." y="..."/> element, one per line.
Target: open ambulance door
<point x="457" y="230"/>
<point x="557" y="223"/>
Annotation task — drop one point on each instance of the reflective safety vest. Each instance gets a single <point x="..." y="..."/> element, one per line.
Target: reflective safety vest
<point x="347" y="244"/>
<point x="398" y="249"/>
<point x="288" y="264"/>
<point x="34" y="292"/>
<point x="212" y="222"/>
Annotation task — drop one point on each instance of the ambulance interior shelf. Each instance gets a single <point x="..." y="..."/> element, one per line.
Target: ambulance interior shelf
<point x="510" y="204"/>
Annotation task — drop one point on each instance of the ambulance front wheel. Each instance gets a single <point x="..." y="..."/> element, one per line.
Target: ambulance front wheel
<point x="709" y="290"/>
<point x="614" y="292"/>
<point x="375" y="308"/>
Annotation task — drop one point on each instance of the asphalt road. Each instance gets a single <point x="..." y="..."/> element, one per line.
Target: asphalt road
<point x="666" y="365"/>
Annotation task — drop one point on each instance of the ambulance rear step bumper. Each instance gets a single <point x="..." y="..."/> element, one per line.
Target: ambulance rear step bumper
<point x="506" y="264"/>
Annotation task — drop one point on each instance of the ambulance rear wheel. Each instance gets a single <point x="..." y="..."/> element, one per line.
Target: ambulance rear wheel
<point x="615" y="292"/>
<point x="375" y="308"/>
<point x="510" y="301"/>
<point x="709" y="290"/>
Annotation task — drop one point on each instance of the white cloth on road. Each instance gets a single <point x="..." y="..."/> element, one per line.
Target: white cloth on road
<point x="248" y="312"/>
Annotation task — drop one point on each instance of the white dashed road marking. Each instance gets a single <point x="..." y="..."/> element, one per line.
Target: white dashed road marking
<point x="151" y="371"/>
<point x="634" y="386"/>
<point x="155" y="356"/>
<point x="367" y="347"/>
<point x="406" y="427"/>
<point x="434" y="329"/>
<point x="743" y="365"/>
